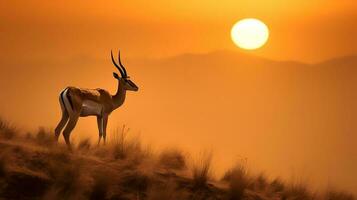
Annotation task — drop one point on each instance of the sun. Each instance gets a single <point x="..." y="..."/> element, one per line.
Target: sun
<point x="250" y="33"/>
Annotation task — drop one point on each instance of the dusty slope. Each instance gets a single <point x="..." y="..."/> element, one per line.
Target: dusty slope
<point x="34" y="167"/>
<point x="32" y="171"/>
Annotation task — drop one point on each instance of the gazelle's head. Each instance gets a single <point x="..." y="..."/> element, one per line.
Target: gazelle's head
<point x="124" y="79"/>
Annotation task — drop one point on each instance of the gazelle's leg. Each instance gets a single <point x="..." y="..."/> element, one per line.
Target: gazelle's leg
<point x="61" y="124"/>
<point x="105" y="122"/>
<point x="70" y="126"/>
<point x="64" y="118"/>
<point x="100" y="127"/>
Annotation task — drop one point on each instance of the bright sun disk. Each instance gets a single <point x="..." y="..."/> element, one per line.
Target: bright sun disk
<point x="250" y="33"/>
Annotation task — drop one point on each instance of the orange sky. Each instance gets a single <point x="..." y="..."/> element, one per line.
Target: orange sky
<point x="284" y="117"/>
<point x="323" y="28"/>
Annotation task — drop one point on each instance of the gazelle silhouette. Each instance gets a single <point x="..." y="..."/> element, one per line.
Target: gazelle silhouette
<point x="78" y="102"/>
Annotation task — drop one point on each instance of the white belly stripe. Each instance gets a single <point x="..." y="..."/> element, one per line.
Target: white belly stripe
<point x="91" y="108"/>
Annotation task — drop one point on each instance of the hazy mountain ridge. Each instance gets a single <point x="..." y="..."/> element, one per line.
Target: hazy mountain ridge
<point x="344" y="60"/>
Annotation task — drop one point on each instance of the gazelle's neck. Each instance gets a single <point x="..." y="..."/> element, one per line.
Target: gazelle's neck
<point x="119" y="97"/>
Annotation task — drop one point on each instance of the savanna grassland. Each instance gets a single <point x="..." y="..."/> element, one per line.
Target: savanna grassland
<point x="33" y="166"/>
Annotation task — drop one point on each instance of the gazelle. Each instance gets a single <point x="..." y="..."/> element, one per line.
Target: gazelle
<point x="78" y="102"/>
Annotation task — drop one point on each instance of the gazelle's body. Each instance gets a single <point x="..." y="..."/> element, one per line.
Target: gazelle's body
<point x="90" y="102"/>
<point x="77" y="102"/>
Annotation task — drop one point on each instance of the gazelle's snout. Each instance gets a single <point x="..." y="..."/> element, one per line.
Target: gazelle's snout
<point x="132" y="86"/>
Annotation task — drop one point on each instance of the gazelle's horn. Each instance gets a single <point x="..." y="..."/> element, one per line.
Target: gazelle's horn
<point x="124" y="70"/>
<point x="117" y="66"/>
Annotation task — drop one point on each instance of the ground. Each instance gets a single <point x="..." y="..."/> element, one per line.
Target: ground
<point x="33" y="166"/>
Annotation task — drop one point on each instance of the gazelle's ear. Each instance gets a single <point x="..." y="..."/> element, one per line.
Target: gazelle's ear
<point x="116" y="75"/>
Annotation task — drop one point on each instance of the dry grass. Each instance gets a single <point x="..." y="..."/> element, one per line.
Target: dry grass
<point x="44" y="137"/>
<point x="260" y="183"/>
<point x="277" y="186"/>
<point x="3" y="163"/>
<point x="298" y="190"/>
<point x="238" y="180"/>
<point x="7" y="130"/>
<point x="135" y="180"/>
<point x="167" y="191"/>
<point x="84" y="145"/>
<point x="100" y="188"/>
<point x="66" y="180"/>
<point x="173" y="159"/>
<point x="332" y="194"/>
<point x="32" y="167"/>
<point x="201" y="169"/>
<point x="122" y="145"/>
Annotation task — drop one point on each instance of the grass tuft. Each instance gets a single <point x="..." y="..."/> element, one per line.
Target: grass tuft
<point x="201" y="170"/>
<point x="238" y="180"/>
<point x="172" y="159"/>
<point x="277" y="186"/>
<point x="44" y="137"/>
<point x="7" y="130"/>
<point x="297" y="190"/>
<point x="259" y="183"/>
<point x="123" y="146"/>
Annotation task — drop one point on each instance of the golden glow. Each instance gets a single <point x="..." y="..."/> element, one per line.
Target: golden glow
<point x="264" y="107"/>
<point x="250" y="33"/>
